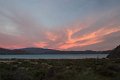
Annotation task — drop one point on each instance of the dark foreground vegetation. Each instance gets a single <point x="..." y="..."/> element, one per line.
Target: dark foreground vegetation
<point x="86" y="69"/>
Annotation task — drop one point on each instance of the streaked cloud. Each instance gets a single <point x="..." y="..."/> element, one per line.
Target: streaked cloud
<point x="88" y="39"/>
<point x="41" y="44"/>
<point x="64" y="24"/>
<point x="51" y="36"/>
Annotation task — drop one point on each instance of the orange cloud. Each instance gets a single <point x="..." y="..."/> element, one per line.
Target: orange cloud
<point x="70" y="33"/>
<point x="51" y="36"/>
<point x="90" y="42"/>
<point x="41" y="44"/>
<point x="87" y="39"/>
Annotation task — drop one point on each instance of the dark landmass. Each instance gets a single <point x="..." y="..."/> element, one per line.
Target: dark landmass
<point x="81" y="69"/>
<point x="60" y="69"/>
<point x="8" y="51"/>
<point x="115" y="53"/>
<point x="47" y="51"/>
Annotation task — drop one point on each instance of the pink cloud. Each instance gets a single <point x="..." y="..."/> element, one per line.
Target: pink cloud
<point x="41" y="44"/>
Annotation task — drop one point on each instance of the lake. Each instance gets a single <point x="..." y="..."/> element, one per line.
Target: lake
<point x="54" y="56"/>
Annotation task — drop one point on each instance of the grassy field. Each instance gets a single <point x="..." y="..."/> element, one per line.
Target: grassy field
<point x="83" y="69"/>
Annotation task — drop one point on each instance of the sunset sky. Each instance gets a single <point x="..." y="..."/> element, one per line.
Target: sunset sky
<point x="60" y="24"/>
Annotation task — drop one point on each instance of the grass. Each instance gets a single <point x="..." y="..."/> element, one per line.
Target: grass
<point x="82" y="69"/>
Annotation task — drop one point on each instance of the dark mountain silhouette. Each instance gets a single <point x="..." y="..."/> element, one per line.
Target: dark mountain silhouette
<point x="8" y="51"/>
<point x="5" y="51"/>
<point x="47" y="51"/>
<point x="115" y="53"/>
<point x="51" y="51"/>
<point x="37" y="50"/>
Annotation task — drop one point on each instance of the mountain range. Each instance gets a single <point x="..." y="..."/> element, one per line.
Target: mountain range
<point x="47" y="51"/>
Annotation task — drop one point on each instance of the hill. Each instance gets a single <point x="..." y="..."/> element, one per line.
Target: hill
<point x="51" y="51"/>
<point x="47" y="51"/>
<point x="115" y="53"/>
<point x="4" y="51"/>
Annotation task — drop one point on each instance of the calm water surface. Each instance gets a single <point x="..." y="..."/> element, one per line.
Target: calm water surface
<point x="54" y="56"/>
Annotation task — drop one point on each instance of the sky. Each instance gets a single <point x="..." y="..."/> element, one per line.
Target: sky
<point x="60" y="24"/>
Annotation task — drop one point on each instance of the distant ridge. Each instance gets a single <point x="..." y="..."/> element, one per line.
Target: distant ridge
<point x="34" y="50"/>
<point x="8" y="51"/>
<point x="5" y="51"/>
<point x="47" y="51"/>
<point x="115" y="53"/>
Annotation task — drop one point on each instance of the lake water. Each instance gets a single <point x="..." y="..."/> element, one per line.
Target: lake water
<point x="54" y="56"/>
